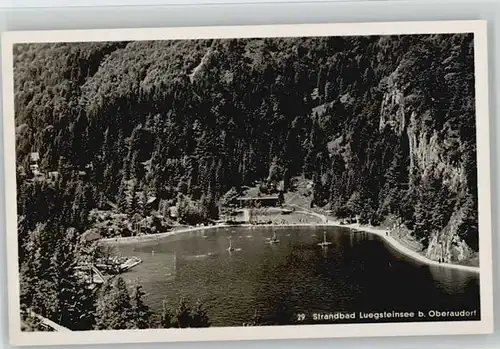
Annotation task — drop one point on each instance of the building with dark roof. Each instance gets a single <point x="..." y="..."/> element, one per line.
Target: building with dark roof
<point x="259" y="201"/>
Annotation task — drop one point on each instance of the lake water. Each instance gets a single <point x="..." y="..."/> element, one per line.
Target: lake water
<point x="357" y="274"/>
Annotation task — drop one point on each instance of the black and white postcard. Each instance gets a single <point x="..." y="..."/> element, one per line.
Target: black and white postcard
<point x="248" y="182"/>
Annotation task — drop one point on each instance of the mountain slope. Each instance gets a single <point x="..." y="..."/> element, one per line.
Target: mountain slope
<point x="384" y="126"/>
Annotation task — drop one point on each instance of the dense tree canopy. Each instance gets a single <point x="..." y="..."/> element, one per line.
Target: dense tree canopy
<point x="384" y="126"/>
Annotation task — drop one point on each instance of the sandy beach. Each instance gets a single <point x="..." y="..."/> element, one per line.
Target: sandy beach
<point x="327" y="222"/>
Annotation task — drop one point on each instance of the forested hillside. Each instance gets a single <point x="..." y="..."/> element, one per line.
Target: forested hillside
<point x="384" y="126"/>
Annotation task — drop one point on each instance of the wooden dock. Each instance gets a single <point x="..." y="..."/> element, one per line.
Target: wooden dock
<point x="129" y="264"/>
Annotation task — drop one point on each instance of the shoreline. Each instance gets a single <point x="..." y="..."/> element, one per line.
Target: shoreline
<point x="393" y="242"/>
<point x="398" y="246"/>
<point x="381" y="233"/>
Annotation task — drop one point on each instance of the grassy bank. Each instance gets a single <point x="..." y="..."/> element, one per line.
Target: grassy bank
<point x="277" y="216"/>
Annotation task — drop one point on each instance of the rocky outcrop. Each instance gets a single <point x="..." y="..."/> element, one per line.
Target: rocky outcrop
<point x="199" y="68"/>
<point x="392" y="110"/>
<point x="446" y="246"/>
<point x="427" y="157"/>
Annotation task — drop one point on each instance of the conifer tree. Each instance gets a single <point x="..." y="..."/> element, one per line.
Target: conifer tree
<point x="144" y="203"/>
<point x="199" y="317"/>
<point x="114" y="310"/>
<point x="133" y="207"/>
<point x="140" y="311"/>
<point x="166" y="317"/>
<point x="182" y="314"/>
<point x="75" y="301"/>
<point x="122" y="200"/>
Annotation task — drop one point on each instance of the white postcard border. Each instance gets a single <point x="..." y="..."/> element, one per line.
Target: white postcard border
<point x="485" y="325"/>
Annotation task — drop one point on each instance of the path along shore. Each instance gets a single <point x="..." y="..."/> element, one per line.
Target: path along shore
<point x="394" y="243"/>
<point x="326" y="222"/>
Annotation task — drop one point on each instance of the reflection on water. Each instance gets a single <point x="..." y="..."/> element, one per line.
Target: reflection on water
<point x="356" y="272"/>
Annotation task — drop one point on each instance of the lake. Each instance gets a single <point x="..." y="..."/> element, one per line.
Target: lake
<point x="357" y="274"/>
